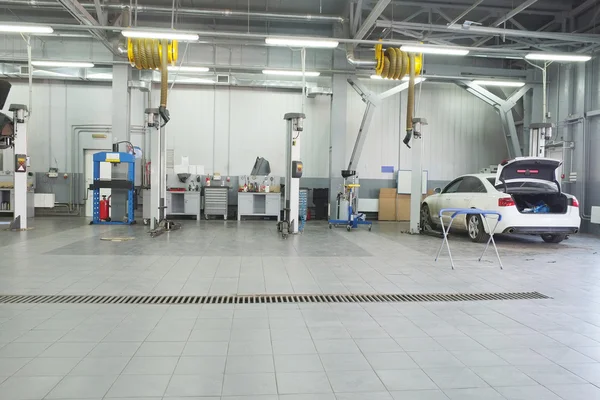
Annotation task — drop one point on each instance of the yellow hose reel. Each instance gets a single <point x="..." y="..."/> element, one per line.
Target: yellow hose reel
<point x="147" y="53"/>
<point x="394" y="63"/>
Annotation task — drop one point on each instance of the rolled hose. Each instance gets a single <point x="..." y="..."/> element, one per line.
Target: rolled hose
<point x="410" y="105"/>
<point x="154" y="55"/>
<point x="394" y="63"/>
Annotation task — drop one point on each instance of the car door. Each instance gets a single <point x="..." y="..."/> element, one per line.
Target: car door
<point x="448" y="199"/>
<point x="473" y="194"/>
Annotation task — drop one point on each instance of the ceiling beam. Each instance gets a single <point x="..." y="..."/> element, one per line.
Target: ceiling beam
<point x="582" y="8"/>
<point x="464" y="13"/>
<point x="505" y="18"/>
<point x="100" y="13"/>
<point x="85" y="18"/>
<point x="546" y="10"/>
<point x="371" y="19"/>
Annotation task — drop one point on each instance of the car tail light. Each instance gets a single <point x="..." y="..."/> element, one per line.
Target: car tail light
<point x="506" y="202"/>
<point x="574" y="202"/>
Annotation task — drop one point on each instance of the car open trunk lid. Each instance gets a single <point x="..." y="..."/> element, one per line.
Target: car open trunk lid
<point x="528" y="169"/>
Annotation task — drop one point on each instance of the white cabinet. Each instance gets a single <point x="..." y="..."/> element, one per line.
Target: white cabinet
<point x="191" y="204"/>
<point x="259" y="205"/>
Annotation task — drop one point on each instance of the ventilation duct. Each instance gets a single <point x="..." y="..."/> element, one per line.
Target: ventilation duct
<point x="312" y="92"/>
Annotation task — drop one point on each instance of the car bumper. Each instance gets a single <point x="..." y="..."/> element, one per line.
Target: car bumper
<point x="541" y="230"/>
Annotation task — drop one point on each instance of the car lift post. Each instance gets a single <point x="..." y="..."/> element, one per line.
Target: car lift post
<point x="538" y="134"/>
<point x="416" y="182"/>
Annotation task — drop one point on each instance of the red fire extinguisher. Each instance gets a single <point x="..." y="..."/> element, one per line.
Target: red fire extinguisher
<point x="105" y="208"/>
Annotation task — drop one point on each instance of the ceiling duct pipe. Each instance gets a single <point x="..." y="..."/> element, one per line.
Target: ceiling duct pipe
<point x="356" y="62"/>
<point x="201" y="12"/>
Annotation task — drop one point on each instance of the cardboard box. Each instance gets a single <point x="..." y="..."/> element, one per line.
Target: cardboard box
<point x="387" y="204"/>
<point x="403" y="206"/>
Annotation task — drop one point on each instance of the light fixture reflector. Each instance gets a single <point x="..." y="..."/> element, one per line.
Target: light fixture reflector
<point x="558" y="57"/>
<point x="448" y="51"/>
<point x="290" y="73"/>
<point x="169" y="35"/>
<point x="500" y="83"/>
<point x="25" y="28"/>
<point x="65" y="64"/>
<point x="312" y="43"/>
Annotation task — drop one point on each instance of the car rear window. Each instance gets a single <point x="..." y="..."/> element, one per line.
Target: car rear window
<point x="524" y="185"/>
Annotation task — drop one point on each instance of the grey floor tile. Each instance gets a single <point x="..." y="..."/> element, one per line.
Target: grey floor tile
<point x="260" y="397"/>
<point x="527" y="393"/>
<point x="473" y="394"/>
<point x="455" y="378"/>
<point x="395" y="361"/>
<point x="435" y="359"/>
<point x="298" y="363"/>
<point x="310" y="396"/>
<point x="364" y="396"/>
<point x="115" y="349"/>
<point x="503" y="376"/>
<point x="576" y="392"/>
<point x="248" y="335"/>
<point x="378" y="345"/>
<point x="587" y="371"/>
<point x="169" y="335"/>
<point x="408" y="379"/>
<point x="355" y="381"/>
<point x="294" y="347"/>
<point x="250" y="364"/>
<point x="419" y="395"/>
<point x="8" y="366"/>
<point x="551" y="375"/>
<point x="160" y="349"/>
<point x="68" y="350"/>
<point x="336" y="346"/>
<point x="418" y="344"/>
<point x="200" y="365"/>
<point x="195" y="385"/>
<point x="27" y="387"/>
<point x="479" y="358"/>
<point x="260" y="347"/>
<point x="303" y="383"/>
<point x="139" y="386"/>
<point x="563" y="355"/>
<point x="151" y="366"/>
<point x="249" y="384"/>
<point x="48" y="367"/>
<point x="205" y="349"/>
<point x="345" y="362"/>
<point x="523" y="357"/>
<point x="210" y="335"/>
<point x="21" y="350"/>
<point x="82" y="387"/>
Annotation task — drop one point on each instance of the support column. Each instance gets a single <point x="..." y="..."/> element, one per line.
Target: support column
<point x="337" y="139"/>
<point x="20" y="167"/>
<point x="121" y="114"/>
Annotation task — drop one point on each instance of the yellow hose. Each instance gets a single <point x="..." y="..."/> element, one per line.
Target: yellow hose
<point x="410" y="104"/>
<point x="393" y="63"/>
<point x="153" y="54"/>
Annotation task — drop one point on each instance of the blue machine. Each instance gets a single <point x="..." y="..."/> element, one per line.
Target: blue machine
<point x="354" y="217"/>
<point x="127" y="184"/>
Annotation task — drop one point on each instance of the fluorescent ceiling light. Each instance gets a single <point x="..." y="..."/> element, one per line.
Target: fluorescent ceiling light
<point x="312" y="43"/>
<point x="449" y="51"/>
<point x="376" y="77"/>
<point x="558" y="57"/>
<point x="169" y="35"/>
<point x="67" y="64"/>
<point x="500" y="83"/>
<point x="418" y="79"/>
<point x="290" y="73"/>
<point x="26" y="28"/>
<point x="104" y="76"/>
<point x="196" y="80"/>
<point x="187" y="69"/>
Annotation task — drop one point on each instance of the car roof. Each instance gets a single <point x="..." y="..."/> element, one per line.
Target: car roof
<point x="480" y="176"/>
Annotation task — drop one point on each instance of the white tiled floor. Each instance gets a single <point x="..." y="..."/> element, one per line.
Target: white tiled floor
<point x="515" y="350"/>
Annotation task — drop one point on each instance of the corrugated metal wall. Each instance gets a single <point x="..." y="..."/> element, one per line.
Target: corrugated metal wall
<point x="464" y="134"/>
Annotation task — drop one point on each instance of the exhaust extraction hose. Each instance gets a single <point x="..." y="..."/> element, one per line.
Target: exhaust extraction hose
<point x="153" y="54"/>
<point x="410" y="106"/>
<point x="394" y="63"/>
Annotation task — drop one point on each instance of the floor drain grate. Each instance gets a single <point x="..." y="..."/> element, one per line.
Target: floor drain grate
<point x="265" y="298"/>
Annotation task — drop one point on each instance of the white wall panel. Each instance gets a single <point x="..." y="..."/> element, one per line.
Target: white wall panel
<point x="464" y="134"/>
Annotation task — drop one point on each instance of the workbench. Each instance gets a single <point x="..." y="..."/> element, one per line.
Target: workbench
<point x="259" y="205"/>
<point x="183" y="203"/>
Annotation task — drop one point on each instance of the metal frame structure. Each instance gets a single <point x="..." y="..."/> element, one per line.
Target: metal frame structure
<point x="504" y="109"/>
<point x="128" y="184"/>
<point x="20" y="221"/>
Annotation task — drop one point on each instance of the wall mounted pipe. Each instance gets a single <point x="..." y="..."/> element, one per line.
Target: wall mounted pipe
<point x="200" y="12"/>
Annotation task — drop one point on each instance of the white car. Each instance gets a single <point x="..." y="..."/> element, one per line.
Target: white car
<point x="525" y="191"/>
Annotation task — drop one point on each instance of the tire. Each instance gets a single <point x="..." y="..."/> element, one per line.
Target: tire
<point x="330" y="226"/>
<point x="476" y="230"/>
<point x="348" y="228"/>
<point x="370" y="227"/>
<point x="548" y="238"/>
<point x="426" y="221"/>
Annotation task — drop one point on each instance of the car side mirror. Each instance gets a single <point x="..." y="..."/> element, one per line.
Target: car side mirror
<point x="437" y="190"/>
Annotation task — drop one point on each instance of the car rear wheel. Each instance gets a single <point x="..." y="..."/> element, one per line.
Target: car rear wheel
<point x="548" y="238"/>
<point x="426" y="221"/>
<point x="476" y="230"/>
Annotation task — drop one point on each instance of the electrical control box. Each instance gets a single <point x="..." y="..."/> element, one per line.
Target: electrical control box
<point x="297" y="168"/>
<point x="20" y="163"/>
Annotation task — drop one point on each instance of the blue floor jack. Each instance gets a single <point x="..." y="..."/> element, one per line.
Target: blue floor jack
<point x="350" y="196"/>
